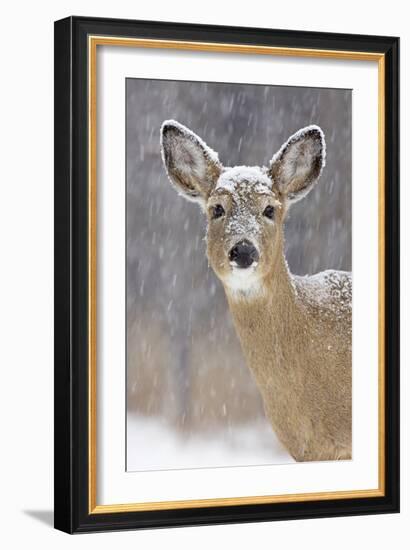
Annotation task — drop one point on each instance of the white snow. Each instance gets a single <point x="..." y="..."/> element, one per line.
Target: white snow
<point x="330" y="288"/>
<point x="242" y="222"/>
<point x="242" y="182"/>
<point x="154" y="445"/>
<point x="253" y="176"/>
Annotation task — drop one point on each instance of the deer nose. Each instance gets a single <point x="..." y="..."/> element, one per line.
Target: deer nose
<point x="243" y="254"/>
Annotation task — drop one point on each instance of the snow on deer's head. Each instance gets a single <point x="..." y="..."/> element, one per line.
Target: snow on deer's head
<point x="245" y="206"/>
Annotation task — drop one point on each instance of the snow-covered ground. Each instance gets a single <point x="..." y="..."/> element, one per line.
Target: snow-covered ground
<point x="153" y="445"/>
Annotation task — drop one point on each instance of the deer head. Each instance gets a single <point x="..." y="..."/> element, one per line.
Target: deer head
<point x="245" y="206"/>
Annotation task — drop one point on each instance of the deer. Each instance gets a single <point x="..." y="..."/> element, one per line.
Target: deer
<point x="295" y="331"/>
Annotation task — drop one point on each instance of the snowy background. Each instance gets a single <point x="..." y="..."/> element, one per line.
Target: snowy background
<point x="191" y="402"/>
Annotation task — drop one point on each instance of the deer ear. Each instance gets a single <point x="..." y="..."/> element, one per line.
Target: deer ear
<point x="296" y="167"/>
<point x="192" y="166"/>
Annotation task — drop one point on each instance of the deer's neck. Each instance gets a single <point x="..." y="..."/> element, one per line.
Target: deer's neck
<point x="268" y="321"/>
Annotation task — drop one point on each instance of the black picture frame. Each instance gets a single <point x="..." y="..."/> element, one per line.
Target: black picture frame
<point x="71" y="417"/>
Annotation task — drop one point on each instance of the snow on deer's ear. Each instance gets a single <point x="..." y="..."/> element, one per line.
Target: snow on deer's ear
<point x="192" y="166"/>
<point x="296" y="167"/>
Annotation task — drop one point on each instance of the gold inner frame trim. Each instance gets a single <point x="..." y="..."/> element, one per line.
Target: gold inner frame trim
<point x="93" y="42"/>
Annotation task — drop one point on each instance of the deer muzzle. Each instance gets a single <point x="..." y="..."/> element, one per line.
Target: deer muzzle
<point x="243" y="254"/>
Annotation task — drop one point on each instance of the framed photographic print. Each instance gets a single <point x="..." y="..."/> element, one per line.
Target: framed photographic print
<point x="226" y="274"/>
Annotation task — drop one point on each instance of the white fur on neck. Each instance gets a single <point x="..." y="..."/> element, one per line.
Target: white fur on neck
<point x="243" y="283"/>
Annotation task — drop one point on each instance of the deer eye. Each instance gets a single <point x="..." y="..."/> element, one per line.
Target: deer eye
<point x="269" y="212"/>
<point x="217" y="211"/>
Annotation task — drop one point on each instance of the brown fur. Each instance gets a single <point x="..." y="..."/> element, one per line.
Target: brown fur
<point x="300" y="356"/>
<point x="295" y="331"/>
